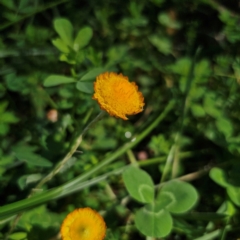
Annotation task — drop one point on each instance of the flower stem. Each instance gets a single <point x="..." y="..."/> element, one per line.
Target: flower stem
<point x="73" y="148"/>
<point x="124" y="148"/>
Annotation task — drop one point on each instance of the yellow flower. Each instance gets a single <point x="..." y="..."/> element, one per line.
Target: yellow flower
<point x="116" y="95"/>
<point x="83" y="224"/>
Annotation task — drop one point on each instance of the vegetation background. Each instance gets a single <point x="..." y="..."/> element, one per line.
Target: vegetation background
<point x="181" y="52"/>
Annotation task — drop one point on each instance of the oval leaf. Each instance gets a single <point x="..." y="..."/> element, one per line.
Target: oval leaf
<point x="60" y="45"/>
<point x="153" y="221"/>
<point x="86" y="87"/>
<point x="225" y="126"/>
<point x="139" y="184"/>
<point x="218" y="175"/>
<point x="18" y="236"/>
<point x="91" y="75"/>
<point x="26" y="154"/>
<point x="37" y="160"/>
<point x="163" y="44"/>
<point x="234" y="194"/>
<point x="24" y="180"/>
<point x="182" y="196"/>
<point x="197" y="110"/>
<point x="83" y="38"/>
<point x="54" y="80"/>
<point x="65" y="30"/>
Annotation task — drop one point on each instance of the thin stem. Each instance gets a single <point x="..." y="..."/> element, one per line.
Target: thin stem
<point x="187" y="101"/>
<point x="168" y="164"/>
<point x="124" y="148"/>
<point x="72" y="150"/>
<point x="132" y="158"/>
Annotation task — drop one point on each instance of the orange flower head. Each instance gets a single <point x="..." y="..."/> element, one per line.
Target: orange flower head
<point x="116" y="95"/>
<point x="83" y="224"/>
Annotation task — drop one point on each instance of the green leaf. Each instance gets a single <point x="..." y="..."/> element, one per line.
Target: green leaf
<point x="10" y="16"/>
<point x="4" y="128"/>
<point x="225" y="126"/>
<point x="83" y="37"/>
<point x="24" y="180"/>
<point x="218" y="175"/>
<point x="18" y="236"/>
<point x="197" y="110"/>
<point x="209" y="106"/>
<point x="182" y="196"/>
<point x="9" y="4"/>
<point x="69" y="58"/>
<point x="91" y="75"/>
<point x="54" y="80"/>
<point x="8" y="117"/>
<point x="65" y="30"/>
<point x="16" y="83"/>
<point x="181" y="67"/>
<point x="139" y="184"/>
<point x="40" y="216"/>
<point x="61" y="45"/>
<point x="3" y="106"/>
<point x="153" y="221"/>
<point x="236" y="69"/>
<point x="86" y="87"/>
<point x="234" y="194"/>
<point x="26" y="153"/>
<point x="167" y="21"/>
<point x="202" y="71"/>
<point x="163" y="44"/>
<point x="117" y="53"/>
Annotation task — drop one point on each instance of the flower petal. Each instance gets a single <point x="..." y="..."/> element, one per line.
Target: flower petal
<point x="83" y="224"/>
<point x="116" y="95"/>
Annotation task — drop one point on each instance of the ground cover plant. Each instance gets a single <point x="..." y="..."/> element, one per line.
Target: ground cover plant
<point x="119" y="119"/>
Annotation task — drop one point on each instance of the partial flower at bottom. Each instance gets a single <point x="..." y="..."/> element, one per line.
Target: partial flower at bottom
<point x="83" y="224"/>
<point x="116" y="95"/>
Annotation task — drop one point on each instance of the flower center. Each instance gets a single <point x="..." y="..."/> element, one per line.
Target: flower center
<point x="83" y="230"/>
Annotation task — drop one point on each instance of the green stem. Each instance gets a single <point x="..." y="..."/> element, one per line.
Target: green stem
<point x="168" y="164"/>
<point x="132" y="158"/>
<point x="156" y="160"/>
<point x="72" y="150"/>
<point x="187" y="102"/>
<point x="124" y="148"/>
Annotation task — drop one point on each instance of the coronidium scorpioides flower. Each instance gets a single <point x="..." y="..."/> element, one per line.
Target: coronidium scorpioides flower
<point x="116" y="95"/>
<point x="83" y="224"/>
